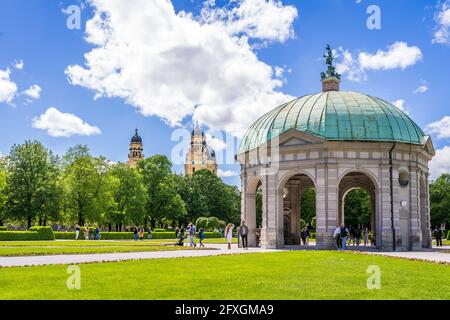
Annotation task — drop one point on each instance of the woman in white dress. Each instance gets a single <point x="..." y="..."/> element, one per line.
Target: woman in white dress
<point x="229" y="234"/>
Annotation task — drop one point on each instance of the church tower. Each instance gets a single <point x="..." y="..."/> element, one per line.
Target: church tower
<point x="135" y="150"/>
<point x="200" y="155"/>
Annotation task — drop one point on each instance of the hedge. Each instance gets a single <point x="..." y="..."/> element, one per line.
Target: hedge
<point x="448" y="235"/>
<point x="129" y="235"/>
<point x="18" y="235"/>
<point x="35" y="233"/>
<point x="44" y="233"/>
<point x="3" y="228"/>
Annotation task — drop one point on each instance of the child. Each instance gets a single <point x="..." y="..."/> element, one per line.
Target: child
<point x="201" y="236"/>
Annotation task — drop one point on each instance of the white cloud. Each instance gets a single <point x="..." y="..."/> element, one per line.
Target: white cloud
<point x="398" y="55"/>
<point x="19" y="64"/>
<point x="440" y="128"/>
<point x="226" y="173"/>
<point x="400" y="104"/>
<point x="164" y="63"/>
<point x="348" y="66"/>
<point x="442" y="18"/>
<point x="59" y="124"/>
<point x="33" y="92"/>
<point x="440" y="163"/>
<point x="266" y="20"/>
<point x="421" y="89"/>
<point x="8" y="88"/>
<point x="215" y="143"/>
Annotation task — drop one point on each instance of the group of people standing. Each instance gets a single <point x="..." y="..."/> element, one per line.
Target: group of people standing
<point x="139" y="233"/>
<point x="351" y="235"/>
<point x="86" y="232"/>
<point x="189" y="235"/>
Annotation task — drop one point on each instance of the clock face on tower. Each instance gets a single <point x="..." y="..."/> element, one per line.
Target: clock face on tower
<point x="197" y="148"/>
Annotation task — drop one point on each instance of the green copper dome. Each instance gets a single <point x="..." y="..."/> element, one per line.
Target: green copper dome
<point x="335" y="115"/>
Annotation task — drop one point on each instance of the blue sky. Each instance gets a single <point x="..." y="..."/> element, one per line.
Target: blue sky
<point x="290" y="36"/>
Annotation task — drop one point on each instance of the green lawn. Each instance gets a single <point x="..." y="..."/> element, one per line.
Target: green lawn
<point x="21" y="248"/>
<point x="280" y="275"/>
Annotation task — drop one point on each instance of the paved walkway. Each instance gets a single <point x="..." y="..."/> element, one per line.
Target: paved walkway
<point x="219" y="249"/>
<point x="442" y="255"/>
<point x="433" y="256"/>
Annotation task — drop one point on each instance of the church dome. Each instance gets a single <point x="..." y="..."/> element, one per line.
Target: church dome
<point x="210" y="153"/>
<point x="336" y="116"/>
<point x="136" y="138"/>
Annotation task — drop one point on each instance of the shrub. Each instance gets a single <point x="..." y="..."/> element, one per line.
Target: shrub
<point x="159" y="230"/>
<point x="213" y="235"/>
<point x="448" y="235"/>
<point x="18" y="235"/>
<point x="44" y="233"/>
<point x="201" y="222"/>
<point x="3" y="228"/>
<point x="130" y="235"/>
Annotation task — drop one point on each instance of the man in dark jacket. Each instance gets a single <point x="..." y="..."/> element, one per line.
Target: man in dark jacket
<point x="438" y="234"/>
<point x="243" y="233"/>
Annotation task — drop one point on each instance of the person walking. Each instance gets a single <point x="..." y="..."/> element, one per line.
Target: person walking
<point x="98" y="236"/>
<point x="303" y="236"/>
<point x="337" y="236"/>
<point x="229" y="234"/>
<point x="180" y="236"/>
<point x="176" y="232"/>
<point x="366" y="236"/>
<point x="243" y="233"/>
<point x="438" y="235"/>
<point x="201" y="237"/>
<point x="149" y="233"/>
<point x="188" y="234"/>
<point x="307" y="235"/>
<point x="344" y="236"/>
<point x="86" y="233"/>
<point x="141" y="233"/>
<point x="357" y="235"/>
<point x="193" y="232"/>
<point x="77" y="231"/>
<point x="136" y="233"/>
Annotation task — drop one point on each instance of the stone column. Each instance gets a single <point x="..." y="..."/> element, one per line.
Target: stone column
<point x="295" y="215"/>
<point x="327" y="206"/>
<point x="414" y="208"/>
<point x="272" y="229"/>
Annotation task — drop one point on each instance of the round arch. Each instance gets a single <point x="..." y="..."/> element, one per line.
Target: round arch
<point x="249" y="215"/>
<point x="291" y="173"/>
<point x="361" y="179"/>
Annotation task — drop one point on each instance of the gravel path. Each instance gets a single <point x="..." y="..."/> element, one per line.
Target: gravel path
<point x="217" y="249"/>
<point x="442" y="256"/>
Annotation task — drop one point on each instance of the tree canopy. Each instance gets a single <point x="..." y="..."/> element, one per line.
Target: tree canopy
<point x="440" y="201"/>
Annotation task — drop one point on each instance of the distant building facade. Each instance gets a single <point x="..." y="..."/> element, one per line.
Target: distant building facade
<point x="136" y="150"/>
<point x="200" y="156"/>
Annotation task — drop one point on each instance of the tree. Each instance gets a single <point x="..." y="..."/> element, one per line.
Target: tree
<point x="32" y="189"/>
<point x="308" y="205"/>
<point x="87" y="186"/>
<point x="212" y="197"/>
<point x="357" y="207"/>
<point x="3" y="196"/>
<point x="440" y="200"/>
<point x="163" y="200"/>
<point x="201" y="222"/>
<point x="129" y="195"/>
